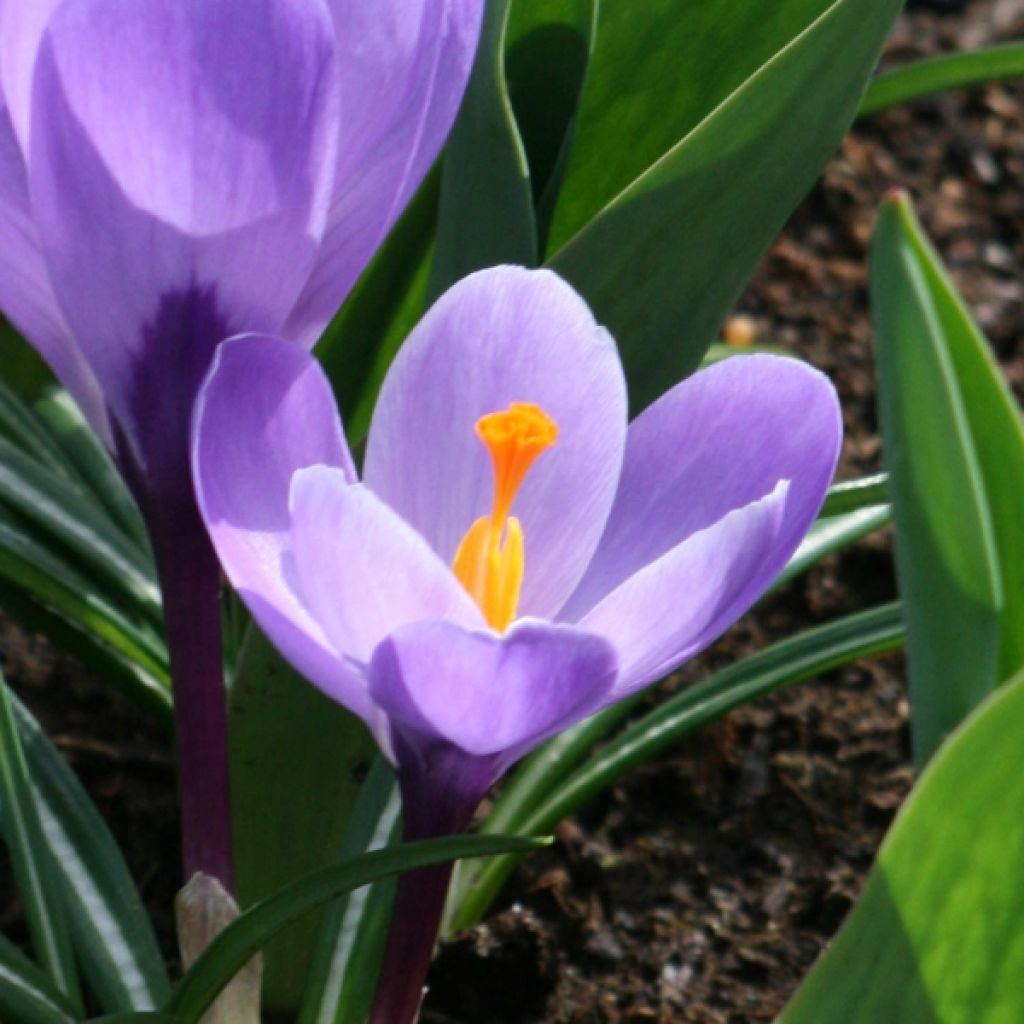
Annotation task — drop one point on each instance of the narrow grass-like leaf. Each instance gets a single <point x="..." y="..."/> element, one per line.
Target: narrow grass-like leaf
<point x="26" y="994"/>
<point x="88" y="460"/>
<point x="664" y="260"/>
<point x="942" y="73"/>
<point x="935" y="936"/>
<point x="852" y="495"/>
<point x="145" y="1017"/>
<point x="298" y="762"/>
<point x="111" y="933"/>
<point x="31" y="860"/>
<point x="60" y="512"/>
<point x="354" y="928"/>
<point x="828" y="536"/>
<point x="40" y="573"/>
<point x="486" y="215"/>
<point x="784" y="663"/>
<point x="234" y="946"/>
<point x="946" y="552"/>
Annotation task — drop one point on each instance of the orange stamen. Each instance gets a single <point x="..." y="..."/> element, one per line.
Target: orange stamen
<point x="490" y="560"/>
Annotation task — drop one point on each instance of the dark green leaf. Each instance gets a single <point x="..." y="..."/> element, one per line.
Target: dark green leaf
<point x="945" y="547"/>
<point x="234" y="946"/>
<point x="935" y="937"/>
<point x="789" y="661"/>
<point x="31" y="860"/>
<point x="26" y="994"/>
<point x="547" y="52"/>
<point x="740" y="105"/>
<point x="110" y="931"/>
<point x="852" y="495"/>
<point x="486" y="214"/>
<point x="939" y="74"/>
<point x="385" y="305"/>
<point x="298" y="759"/>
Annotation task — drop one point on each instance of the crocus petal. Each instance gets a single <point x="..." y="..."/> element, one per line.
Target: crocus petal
<point x="26" y="296"/>
<point x="361" y="571"/>
<point x="488" y="696"/>
<point x="404" y="66"/>
<point x="21" y="28"/>
<point x="265" y="411"/>
<point x="180" y="166"/>
<point x="672" y="608"/>
<point x="500" y="336"/>
<point x="718" y="441"/>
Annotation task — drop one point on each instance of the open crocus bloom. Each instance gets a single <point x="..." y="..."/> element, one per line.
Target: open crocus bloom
<point x="173" y="172"/>
<point x="515" y="556"/>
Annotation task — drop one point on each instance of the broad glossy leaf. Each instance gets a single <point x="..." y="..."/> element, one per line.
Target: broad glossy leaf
<point x="32" y="861"/>
<point x="110" y="931"/>
<point x="26" y="994"/>
<point x="234" y="946"/>
<point x="486" y="214"/>
<point x="997" y="434"/>
<point x="702" y="127"/>
<point x="784" y="663"/>
<point x="935" y="937"/>
<point x="298" y="760"/>
<point x="946" y="547"/>
<point x="939" y="74"/>
<point x="547" y="53"/>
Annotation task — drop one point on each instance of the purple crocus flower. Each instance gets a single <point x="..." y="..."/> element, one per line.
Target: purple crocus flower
<point x="173" y="172"/>
<point x="515" y="557"/>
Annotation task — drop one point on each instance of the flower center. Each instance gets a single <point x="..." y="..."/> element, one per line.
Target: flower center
<point x="489" y="562"/>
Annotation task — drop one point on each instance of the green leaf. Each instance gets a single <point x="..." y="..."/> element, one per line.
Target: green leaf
<point x="26" y="994"/>
<point x="354" y="928"/>
<point x="935" y="937"/>
<point x="852" y="495"/>
<point x="827" y="536"/>
<point x="547" y="51"/>
<point x="486" y="214"/>
<point x="947" y="547"/>
<point x="942" y="73"/>
<point x="997" y="435"/>
<point x="384" y="306"/>
<point x="136" y="1018"/>
<point x="111" y="934"/>
<point x="298" y="760"/>
<point x="701" y="128"/>
<point x="89" y="464"/>
<point x="234" y="946"/>
<point x="62" y="515"/>
<point x="784" y="663"/>
<point x="31" y="860"/>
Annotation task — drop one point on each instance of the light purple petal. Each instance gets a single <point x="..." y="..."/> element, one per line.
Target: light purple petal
<point x="181" y="160"/>
<point x="404" y="66"/>
<point x="21" y="28"/>
<point x="26" y="296"/>
<point x="718" y="441"/>
<point x="361" y="571"/>
<point x="676" y="605"/>
<point x="264" y="412"/>
<point x="488" y="695"/>
<point x="500" y="336"/>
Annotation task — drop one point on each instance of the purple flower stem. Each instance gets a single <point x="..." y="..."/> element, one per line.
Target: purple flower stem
<point x="190" y="581"/>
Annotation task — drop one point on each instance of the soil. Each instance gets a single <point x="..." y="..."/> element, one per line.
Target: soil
<point x="703" y="886"/>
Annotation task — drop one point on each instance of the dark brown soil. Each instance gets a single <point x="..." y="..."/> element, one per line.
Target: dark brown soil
<point x="702" y="887"/>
